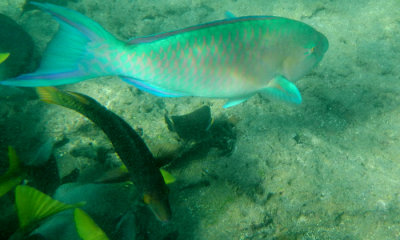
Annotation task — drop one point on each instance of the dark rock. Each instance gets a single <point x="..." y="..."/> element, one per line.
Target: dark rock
<point x="14" y="40"/>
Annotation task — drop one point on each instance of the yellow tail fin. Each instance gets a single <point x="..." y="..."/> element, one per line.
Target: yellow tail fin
<point x="3" y="57"/>
<point x="86" y="227"/>
<point x="56" y="96"/>
<point x="48" y="94"/>
<point x="34" y="206"/>
<point x="14" y="174"/>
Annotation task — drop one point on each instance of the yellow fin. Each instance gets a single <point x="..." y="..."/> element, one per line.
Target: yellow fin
<point x="80" y="97"/>
<point x="33" y="205"/>
<point x="4" y="56"/>
<point x="14" y="160"/>
<point x="9" y="184"/>
<point x="86" y="227"/>
<point x="63" y="98"/>
<point x="123" y="168"/>
<point x="13" y="176"/>
<point x="113" y="174"/>
<point x="48" y="94"/>
<point x="168" y="178"/>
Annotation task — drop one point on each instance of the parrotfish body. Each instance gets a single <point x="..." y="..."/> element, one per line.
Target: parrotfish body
<point x="232" y="58"/>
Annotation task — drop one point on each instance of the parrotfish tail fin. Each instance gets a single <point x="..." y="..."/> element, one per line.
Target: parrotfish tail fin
<point x="3" y="57"/>
<point x="13" y="175"/>
<point x="34" y="206"/>
<point x="85" y="226"/>
<point x="79" y="51"/>
<point x="284" y="90"/>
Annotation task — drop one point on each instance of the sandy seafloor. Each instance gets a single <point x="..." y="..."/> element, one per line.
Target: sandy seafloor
<point x="326" y="169"/>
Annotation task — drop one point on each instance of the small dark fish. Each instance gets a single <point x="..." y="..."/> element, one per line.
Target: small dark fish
<point x="127" y="143"/>
<point x="194" y="125"/>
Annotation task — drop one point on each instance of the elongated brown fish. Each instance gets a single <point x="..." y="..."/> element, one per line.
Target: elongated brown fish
<point x="131" y="149"/>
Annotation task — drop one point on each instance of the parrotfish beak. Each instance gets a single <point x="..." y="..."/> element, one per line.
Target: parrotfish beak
<point x="159" y="206"/>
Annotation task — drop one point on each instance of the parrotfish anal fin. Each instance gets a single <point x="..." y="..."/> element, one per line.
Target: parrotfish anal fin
<point x="142" y="85"/>
<point x="284" y="90"/>
<point x="234" y="102"/>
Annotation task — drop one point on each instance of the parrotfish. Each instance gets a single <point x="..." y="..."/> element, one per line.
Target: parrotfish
<point x="232" y="59"/>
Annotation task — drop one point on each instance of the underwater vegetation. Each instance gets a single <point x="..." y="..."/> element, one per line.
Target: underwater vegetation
<point x="35" y="208"/>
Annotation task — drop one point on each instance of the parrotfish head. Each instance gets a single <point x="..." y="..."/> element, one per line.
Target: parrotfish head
<point x="307" y="50"/>
<point x="158" y="204"/>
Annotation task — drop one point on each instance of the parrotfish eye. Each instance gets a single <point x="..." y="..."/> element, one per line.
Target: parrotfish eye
<point x="310" y="49"/>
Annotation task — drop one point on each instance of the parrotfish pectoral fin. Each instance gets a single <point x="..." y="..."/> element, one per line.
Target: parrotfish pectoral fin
<point x="229" y="15"/>
<point x="284" y="90"/>
<point x="34" y="206"/>
<point x="86" y="227"/>
<point x="233" y="102"/>
<point x="68" y="56"/>
<point x="14" y="174"/>
<point x="4" y="56"/>
<point x="160" y="92"/>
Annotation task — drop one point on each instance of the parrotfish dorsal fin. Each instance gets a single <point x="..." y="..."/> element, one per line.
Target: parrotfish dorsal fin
<point x="85" y="226"/>
<point x="4" y="56"/>
<point x="13" y="176"/>
<point x="284" y="90"/>
<point x="34" y="206"/>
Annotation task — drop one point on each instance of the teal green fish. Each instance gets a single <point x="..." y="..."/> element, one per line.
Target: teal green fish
<point x="233" y="58"/>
